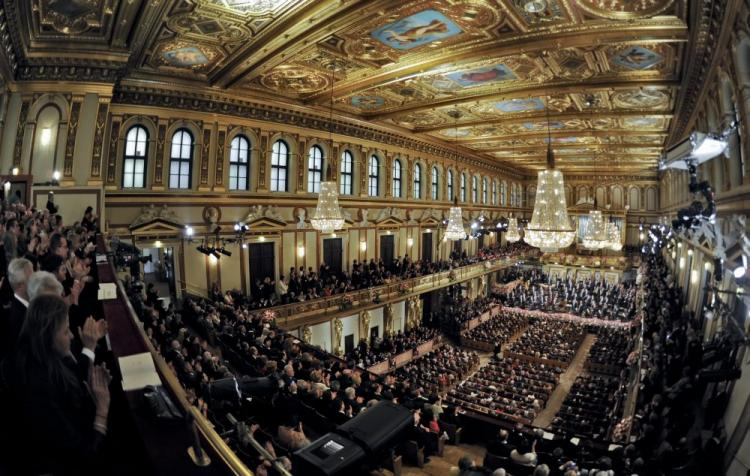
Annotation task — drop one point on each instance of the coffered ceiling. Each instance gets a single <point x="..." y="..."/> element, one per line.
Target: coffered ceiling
<point x="597" y="78"/>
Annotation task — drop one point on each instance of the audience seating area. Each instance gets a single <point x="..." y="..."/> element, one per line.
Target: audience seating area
<point x="591" y="407"/>
<point x="510" y="388"/>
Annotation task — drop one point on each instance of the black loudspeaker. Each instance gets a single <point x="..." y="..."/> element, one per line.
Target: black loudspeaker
<point x="377" y="427"/>
<point x="329" y="455"/>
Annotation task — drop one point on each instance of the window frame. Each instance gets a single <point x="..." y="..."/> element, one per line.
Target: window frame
<point x="485" y="193"/>
<point x="417" y="192"/>
<point x="276" y="156"/>
<point x="346" y="181"/>
<point x="463" y="187"/>
<point x="435" y="183"/>
<point x="237" y="165"/>
<point x="315" y="175"/>
<point x="135" y="158"/>
<point x="396" y="174"/>
<point x="373" y="176"/>
<point x="181" y="161"/>
<point x="450" y="185"/>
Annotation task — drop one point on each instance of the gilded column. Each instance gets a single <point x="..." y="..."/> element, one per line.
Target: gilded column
<point x="301" y="165"/>
<point x="205" y="157"/>
<point x="388" y="159"/>
<point x="364" y="171"/>
<point x="70" y="141"/>
<point x="221" y="138"/>
<point x="102" y="116"/>
<point x="160" y="156"/>
<point x="263" y="161"/>
<point x="20" y="131"/>
<point x="110" y="178"/>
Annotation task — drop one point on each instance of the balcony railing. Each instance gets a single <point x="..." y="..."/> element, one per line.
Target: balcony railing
<point x="290" y="316"/>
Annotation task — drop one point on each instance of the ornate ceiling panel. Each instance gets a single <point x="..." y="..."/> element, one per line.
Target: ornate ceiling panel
<point x="599" y="77"/>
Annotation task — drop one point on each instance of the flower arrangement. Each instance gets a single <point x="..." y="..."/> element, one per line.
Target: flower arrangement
<point x="268" y="315"/>
<point x="347" y="300"/>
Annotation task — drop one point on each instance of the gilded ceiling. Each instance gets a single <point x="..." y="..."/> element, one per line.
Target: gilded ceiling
<point x="595" y="78"/>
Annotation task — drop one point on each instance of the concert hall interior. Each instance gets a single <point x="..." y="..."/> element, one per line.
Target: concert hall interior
<point x="374" y="237"/>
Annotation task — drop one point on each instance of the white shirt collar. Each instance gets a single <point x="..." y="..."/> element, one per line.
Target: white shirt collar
<point x="22" y="300"/>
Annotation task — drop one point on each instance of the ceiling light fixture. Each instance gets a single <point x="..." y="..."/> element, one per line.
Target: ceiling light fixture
<point x="550" y="228"/>
<point x="328" y="217"/>
<point x="513" y="233"/>
<point x="534" y="6"/>
<point x="455" y="228"/>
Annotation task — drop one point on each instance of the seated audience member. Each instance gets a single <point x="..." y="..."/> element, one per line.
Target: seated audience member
<point x="500" y="446"/>
<point x="56" y="414"/>
<point x="525" y="454"/>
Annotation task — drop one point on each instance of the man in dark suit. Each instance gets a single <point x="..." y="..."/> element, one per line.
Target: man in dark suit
<point x="500" y="445"/>
<point x="19" y="271"/>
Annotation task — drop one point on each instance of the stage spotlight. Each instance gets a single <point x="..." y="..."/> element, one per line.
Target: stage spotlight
<point x="224" y="251"/>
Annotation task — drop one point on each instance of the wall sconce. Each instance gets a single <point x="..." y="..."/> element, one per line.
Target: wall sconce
<point x="690" y="252"/>
<point x="682" y="262"/>
<point x="46" y="136"/>
<point x="56" y="175"/>
<point x="15" y="171"/>
<point x="694" y="276"/>
<point x="189" y="232"/>
<point x="428" y="231"/>
<point x="300" y="251"/>
<point x="158" y="244"/>
<point x="363" y="246"/>
<point x="262" y="239"/>
<point x="6" y="188"/>
<point x="707" y="265"/>
<point x="409" y="242"/>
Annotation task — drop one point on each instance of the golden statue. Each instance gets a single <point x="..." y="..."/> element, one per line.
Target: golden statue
<point x="364" y="325"/>
<point x="387" y="320"/>
<point x="338" y="330"/>
<point x="307" y="334"/>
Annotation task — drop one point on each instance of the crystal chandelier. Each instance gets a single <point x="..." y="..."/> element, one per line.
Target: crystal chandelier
<point x="455" y="229"/>
<point x="614" y="238"/>
<point x="597" y="231"/>
<point x="512" y="234"/>
<point x="328" y="217"/>
<point x="550" y="228"/>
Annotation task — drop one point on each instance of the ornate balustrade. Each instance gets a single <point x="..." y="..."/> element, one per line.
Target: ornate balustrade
<point x="291" y="316"/>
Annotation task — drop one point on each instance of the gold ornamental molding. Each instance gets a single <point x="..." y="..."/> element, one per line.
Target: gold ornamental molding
<point x="151" y="97"/>
<point x="573" y="36"/>
<point x="547" y="89"/>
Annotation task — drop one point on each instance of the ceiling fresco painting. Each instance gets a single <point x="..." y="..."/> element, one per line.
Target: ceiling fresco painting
<point x="484" y="73"/>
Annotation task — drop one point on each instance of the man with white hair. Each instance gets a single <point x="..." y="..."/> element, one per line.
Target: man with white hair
<point x="44" y="282"/>
<point x="19" y="272"/>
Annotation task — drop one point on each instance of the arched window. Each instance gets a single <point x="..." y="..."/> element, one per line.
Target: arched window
<point x="503" y="193"/>
<point x="239" y="163"/>
<point x="396" y="188"/>
<point x="417" y="181"/>
<point x="474" y="189"/>
<point x="463" y="187"/>
<point x="485" y="190"/>
<point x="279" y="166"/>
<point x="435" y="183"/>
<point x="136" y="151"/>
<point x="181" y="159"/>
<point x="347" y="173"/>
<point x="373" y="168"/>
<point x="450" y="184"/>
<point x="314" y="169"/>
<point x="494" y="193"/>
